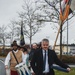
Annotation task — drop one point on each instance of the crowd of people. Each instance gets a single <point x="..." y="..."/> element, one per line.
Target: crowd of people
<point x="39" y="60"/>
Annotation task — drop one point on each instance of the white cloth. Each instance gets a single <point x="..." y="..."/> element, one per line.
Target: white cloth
<point x="26" y="59"/>
<point x="7" y="60"/>
<point x="47" y="65"/>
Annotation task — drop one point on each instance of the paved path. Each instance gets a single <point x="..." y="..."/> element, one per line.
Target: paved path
<point x="2" y="68"/>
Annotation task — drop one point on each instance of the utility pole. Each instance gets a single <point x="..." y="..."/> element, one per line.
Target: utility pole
<point x="67" y="36"/>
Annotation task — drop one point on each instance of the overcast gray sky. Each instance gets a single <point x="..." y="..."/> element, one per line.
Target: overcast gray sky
<point x="8" y="11"/>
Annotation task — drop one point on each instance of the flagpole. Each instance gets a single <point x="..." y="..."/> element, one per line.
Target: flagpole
<point x="61" y="23"/>
<point x="57" y="36"/>
<point x="59" y="31"/>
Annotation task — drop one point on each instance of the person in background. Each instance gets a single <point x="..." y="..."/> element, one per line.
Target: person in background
<point x="39" y="45"/>
<point x="10" y="58"/>
<point x="44" y="58"/>
<point x="26" y="56"/>
<point x="33" y="49"/>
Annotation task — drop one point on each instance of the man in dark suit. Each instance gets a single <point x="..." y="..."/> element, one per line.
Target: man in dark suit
<point x="44" y="58"/>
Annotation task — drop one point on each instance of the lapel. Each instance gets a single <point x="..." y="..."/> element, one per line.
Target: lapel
<point x="41" y="55"/>
<point x="41" y="58"/>
<point x="48" y="55"/>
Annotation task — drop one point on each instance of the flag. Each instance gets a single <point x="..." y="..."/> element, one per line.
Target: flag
<point x="65" y="9"/>
<point x="22" y="41"/>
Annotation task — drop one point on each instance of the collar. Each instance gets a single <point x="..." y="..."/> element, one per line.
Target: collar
<point x="45" y="50"/>
<point x="15" y="51"/>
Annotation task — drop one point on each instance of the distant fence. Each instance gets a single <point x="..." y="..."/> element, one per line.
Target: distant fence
<point x="5" y="51"/>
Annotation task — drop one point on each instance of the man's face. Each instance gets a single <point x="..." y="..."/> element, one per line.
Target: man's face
<point x="45" y="45"/>
<point x="21" y="49"/>
<point x="15" y="47"/>
<point x="34" y="46"/>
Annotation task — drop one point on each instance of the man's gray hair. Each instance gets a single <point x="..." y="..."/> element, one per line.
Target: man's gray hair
<point x="45" y="40"/>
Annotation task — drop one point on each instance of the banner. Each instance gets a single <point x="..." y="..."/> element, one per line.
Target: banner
<point x="65" y="9"/>
<point x="22" y="42"/>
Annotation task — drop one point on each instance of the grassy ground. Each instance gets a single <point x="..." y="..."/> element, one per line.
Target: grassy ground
<point x="72" y="72"/>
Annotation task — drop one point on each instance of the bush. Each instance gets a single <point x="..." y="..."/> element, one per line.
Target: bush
<point x="5" y="52"/>
<point x="68" y="59"/>
<point x="2" y="54"/>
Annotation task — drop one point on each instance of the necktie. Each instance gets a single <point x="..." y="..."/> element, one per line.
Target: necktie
<point x="44" y="61"/>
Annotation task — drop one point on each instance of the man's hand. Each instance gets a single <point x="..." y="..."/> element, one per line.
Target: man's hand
<point x="68" y="69"/>
<point x="6" y="67"/>
<point x="33" y="73"/>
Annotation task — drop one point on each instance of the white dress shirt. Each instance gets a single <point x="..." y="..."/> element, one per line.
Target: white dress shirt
<point x="47" y="65"/>
<point x="7" y="60"/>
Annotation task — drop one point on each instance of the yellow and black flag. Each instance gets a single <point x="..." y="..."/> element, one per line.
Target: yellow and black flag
<point x="22" y="41"/>
<point x="65" y="9"/>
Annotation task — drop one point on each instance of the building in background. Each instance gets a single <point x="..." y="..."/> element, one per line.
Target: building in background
<point x="71" y="49"/>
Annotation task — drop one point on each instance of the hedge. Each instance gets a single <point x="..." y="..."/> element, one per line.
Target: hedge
<point x="68" y="59"/>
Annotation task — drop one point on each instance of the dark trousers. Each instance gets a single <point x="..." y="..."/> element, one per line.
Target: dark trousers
<point x="46" y="73"/>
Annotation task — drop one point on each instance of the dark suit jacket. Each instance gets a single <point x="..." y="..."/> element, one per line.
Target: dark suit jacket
<point x="37" y="62"/>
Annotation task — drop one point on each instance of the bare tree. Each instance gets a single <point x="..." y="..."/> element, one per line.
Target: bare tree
<point x="13" y="31"/>
<point x="50" y="9"/>
<point x="3" y="35"/>
<point x="52" y="14"/>
<point x="29" y="17"/>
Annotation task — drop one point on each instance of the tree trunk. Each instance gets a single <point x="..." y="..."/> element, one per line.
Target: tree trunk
<point x="30" y="42"/>
<point x="30" y="36"/>
<point x="3" y="49"/>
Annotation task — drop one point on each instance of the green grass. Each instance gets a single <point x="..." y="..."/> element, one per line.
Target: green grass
<point x="72" y="72"/>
